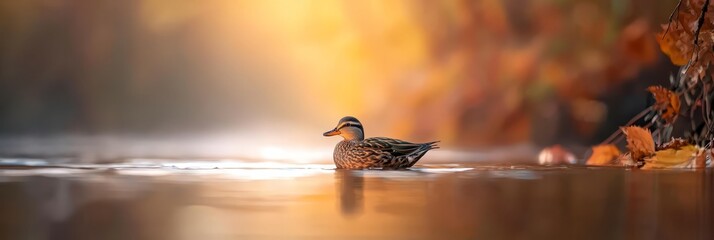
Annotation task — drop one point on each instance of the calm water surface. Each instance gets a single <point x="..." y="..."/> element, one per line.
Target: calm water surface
<point x="229" y="200"/>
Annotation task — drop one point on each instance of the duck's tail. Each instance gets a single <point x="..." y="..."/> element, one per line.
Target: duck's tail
<point x="425" y="147"/>
<point x="431" y="145"/>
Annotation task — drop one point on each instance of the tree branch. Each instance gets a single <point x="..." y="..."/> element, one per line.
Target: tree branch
<point x="676" y="11"/>
<point x="700" y="23"/>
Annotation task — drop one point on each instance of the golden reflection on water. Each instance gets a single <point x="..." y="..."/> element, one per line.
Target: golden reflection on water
<point x="351" y="189"/>
<point x="431" y="202"/>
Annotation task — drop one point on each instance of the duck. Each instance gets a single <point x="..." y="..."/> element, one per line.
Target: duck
<point x="356" y="152"/>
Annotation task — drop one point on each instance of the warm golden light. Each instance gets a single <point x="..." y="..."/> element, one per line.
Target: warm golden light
<point x="469" y="73"/>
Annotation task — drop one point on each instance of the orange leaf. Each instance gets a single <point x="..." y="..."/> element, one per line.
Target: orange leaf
<point x="639" y="142"/>
<point x="668" y="45"/>
<point x="666" y="101"/>
<point x="603" y="154"/>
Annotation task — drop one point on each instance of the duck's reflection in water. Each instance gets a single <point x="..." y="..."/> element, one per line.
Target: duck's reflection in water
<point x="350" y="187"/>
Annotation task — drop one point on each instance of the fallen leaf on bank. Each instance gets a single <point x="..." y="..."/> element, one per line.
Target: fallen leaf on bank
<point x="625" y="160"/>
<point x="603" y="155"/>
<point x="639" y="142"/>
<point x="673" y="158"/>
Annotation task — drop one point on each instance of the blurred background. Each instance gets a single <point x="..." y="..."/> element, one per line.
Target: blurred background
<point x="104" y="79"/>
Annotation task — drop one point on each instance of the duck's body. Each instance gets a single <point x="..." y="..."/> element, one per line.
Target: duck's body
<point x="355" y="152"/>
<point x="379" y="152"/>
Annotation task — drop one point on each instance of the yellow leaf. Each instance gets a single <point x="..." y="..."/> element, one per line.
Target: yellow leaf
<point x="672" y="158"/>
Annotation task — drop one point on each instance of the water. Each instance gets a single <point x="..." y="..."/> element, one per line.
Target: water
<point x="229" y="200"/>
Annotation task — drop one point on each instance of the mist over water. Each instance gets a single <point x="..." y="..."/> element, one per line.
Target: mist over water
<point x="279" y="73"/>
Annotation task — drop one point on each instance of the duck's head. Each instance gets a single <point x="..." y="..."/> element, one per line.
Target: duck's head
<point x="349" y="128"/>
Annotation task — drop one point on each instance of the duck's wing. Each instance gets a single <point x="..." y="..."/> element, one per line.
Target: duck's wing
<point x="397" y="147"/>
<point x="394" y="153"/>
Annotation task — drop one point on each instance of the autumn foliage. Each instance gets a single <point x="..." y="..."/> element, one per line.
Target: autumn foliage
<point x="639" y="142"/>
<point x="666" y="101"/>
<point x="688" y="40"/>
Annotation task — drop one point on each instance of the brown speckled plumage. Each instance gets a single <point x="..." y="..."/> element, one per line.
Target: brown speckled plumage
<point x="355" y="152"/>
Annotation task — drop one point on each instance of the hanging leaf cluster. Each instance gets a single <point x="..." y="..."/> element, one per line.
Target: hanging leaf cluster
<point x="688" y="38"/>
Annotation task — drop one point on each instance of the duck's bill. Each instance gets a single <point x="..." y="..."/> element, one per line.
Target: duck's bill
<point x="332" y="132"/>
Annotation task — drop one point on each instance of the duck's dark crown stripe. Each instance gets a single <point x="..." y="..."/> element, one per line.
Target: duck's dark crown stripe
<point x="350" y="124"/>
